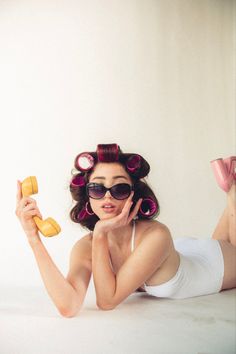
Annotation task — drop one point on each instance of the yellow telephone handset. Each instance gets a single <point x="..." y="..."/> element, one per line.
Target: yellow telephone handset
<point x="48" y="227"/>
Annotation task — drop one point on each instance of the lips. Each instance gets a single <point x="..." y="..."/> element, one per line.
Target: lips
<point x="108" y="207"/>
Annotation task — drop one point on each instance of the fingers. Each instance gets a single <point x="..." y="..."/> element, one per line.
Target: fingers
<point x="19" y="192"/>
<point x="31" y="210"/>
<point x="34" y="212"/>
<point x="125" y="212"/>
<point x="26" y="206"/>
<point x="125" y="216"/>
<point x="129" y="202"/>
<point x="135" y="211"/>
<point x="127" y="206"/>
<point x="131" y="195"/>
<point x="25" y="201"/>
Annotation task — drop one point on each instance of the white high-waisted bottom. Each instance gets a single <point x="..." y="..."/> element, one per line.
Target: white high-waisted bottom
<point x="200" y="272"/>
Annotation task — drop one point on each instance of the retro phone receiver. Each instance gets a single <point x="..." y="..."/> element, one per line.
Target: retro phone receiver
<point x="48" y="227"/>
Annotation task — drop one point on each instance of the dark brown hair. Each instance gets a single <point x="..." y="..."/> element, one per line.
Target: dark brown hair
<point x="135" y="165"/>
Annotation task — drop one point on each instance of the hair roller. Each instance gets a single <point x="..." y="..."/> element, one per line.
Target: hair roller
<point x="133" y="163"/>
<point x="84" y="161"/>
<point x="148" y="208"/>
<point x="136" y="165"/>
<point x="85" y="213"/>
<point x="78" y="181"/>
<point x="108" y="152"/>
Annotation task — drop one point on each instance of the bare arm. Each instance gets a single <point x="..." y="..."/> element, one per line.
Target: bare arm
<point x="103" y="275"/>
<point x="141" y="264"/>
<point x="112" y="289"/>
<point x="66" y="293"/>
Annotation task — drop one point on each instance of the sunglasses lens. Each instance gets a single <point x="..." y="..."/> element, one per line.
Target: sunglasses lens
<point x="96" y="191"/>
<point x="121" y="191"/>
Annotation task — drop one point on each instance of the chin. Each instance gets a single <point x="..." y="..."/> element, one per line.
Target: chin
<point x="108" y="216"/>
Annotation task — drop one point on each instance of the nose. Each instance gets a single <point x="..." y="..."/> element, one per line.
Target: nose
<point x="108" y="195"/>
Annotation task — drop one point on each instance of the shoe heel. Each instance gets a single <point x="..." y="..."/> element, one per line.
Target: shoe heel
<point x="230" y="163"/>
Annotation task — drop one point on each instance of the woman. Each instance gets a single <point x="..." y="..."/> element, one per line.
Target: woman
<point x="126" y="250"/>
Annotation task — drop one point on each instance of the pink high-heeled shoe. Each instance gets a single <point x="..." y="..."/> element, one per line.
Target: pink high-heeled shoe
<point x="224" y="171"/>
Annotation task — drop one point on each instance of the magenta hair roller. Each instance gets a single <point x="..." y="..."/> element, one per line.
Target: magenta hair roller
<point x="84" y="161"/>
<point x="148" y="207"/>
<point x="133" y="163"/>
<point x="78" y="181"/>
<point x="108" y="152"/>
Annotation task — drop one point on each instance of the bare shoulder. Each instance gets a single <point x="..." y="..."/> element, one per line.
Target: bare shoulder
<point x="147" y="227"/>
<point x="86" y="240"/>
<point x="151" y="230"/>
<point x="154" y="225"/>
<point x="83" y="248"/>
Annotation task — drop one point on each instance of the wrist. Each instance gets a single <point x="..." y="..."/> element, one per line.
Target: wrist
<point x="33" y="239"/>
<point x="99" y="233"/>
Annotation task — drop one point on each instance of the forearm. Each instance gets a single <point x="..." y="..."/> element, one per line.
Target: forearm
<point x="104" y="278"/>
<point x="59" y="289"/>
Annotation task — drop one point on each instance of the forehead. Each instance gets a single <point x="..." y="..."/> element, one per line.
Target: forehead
<point x="109" y="170"/>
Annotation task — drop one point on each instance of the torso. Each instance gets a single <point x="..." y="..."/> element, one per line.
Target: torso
<point x="118" y="255"/>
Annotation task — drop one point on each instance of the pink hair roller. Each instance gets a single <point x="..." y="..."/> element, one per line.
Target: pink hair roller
<point x="148" y="207"/>
<point x="133" y="163"/>
<point x="78" y="181"/>
<point x="84" y="161"/>
<point x="108" y="152"/>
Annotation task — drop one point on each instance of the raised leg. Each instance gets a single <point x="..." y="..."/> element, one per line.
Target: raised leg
<point x="226" y="227"/>
<point x="231" y="199"/>
<point x="222" y="229"/>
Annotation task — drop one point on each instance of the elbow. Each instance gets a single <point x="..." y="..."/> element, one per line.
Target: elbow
<point x="68" y="312"/>
<point x="70" y="308"/>
<point x="105" y="306"/>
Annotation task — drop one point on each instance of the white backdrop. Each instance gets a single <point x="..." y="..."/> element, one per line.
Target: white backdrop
<point x="155" y="76"/>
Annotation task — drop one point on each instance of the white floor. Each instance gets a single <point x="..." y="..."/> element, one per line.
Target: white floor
<point x="29" y="324"/>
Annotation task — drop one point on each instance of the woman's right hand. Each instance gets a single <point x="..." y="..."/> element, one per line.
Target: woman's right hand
<point x="26" y="209"/>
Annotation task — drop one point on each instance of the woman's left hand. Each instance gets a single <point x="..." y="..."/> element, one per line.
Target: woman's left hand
<point x="123" y="219"/>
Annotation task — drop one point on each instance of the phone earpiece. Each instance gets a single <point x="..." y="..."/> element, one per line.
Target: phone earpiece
<point x="48" y="227"/>
<point x="29" y="186"/>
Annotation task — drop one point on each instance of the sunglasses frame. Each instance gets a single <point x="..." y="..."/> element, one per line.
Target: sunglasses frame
<point x="108" y="189"/>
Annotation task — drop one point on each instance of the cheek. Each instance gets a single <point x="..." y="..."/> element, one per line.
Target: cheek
<point x="120" y="206"/>
<point x="94" y="204"/>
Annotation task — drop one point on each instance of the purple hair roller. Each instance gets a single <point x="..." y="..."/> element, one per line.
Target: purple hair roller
<point x="148" y="207"/>
<point x="133" y="163"/>
<point x="84" y="161"/>
<point x="78" y="181"/>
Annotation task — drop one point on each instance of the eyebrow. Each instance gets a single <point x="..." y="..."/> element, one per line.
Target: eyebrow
<point x="115" y="177"/>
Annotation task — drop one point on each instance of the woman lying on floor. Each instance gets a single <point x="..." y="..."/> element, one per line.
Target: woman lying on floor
<point x="126" y="250"/>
